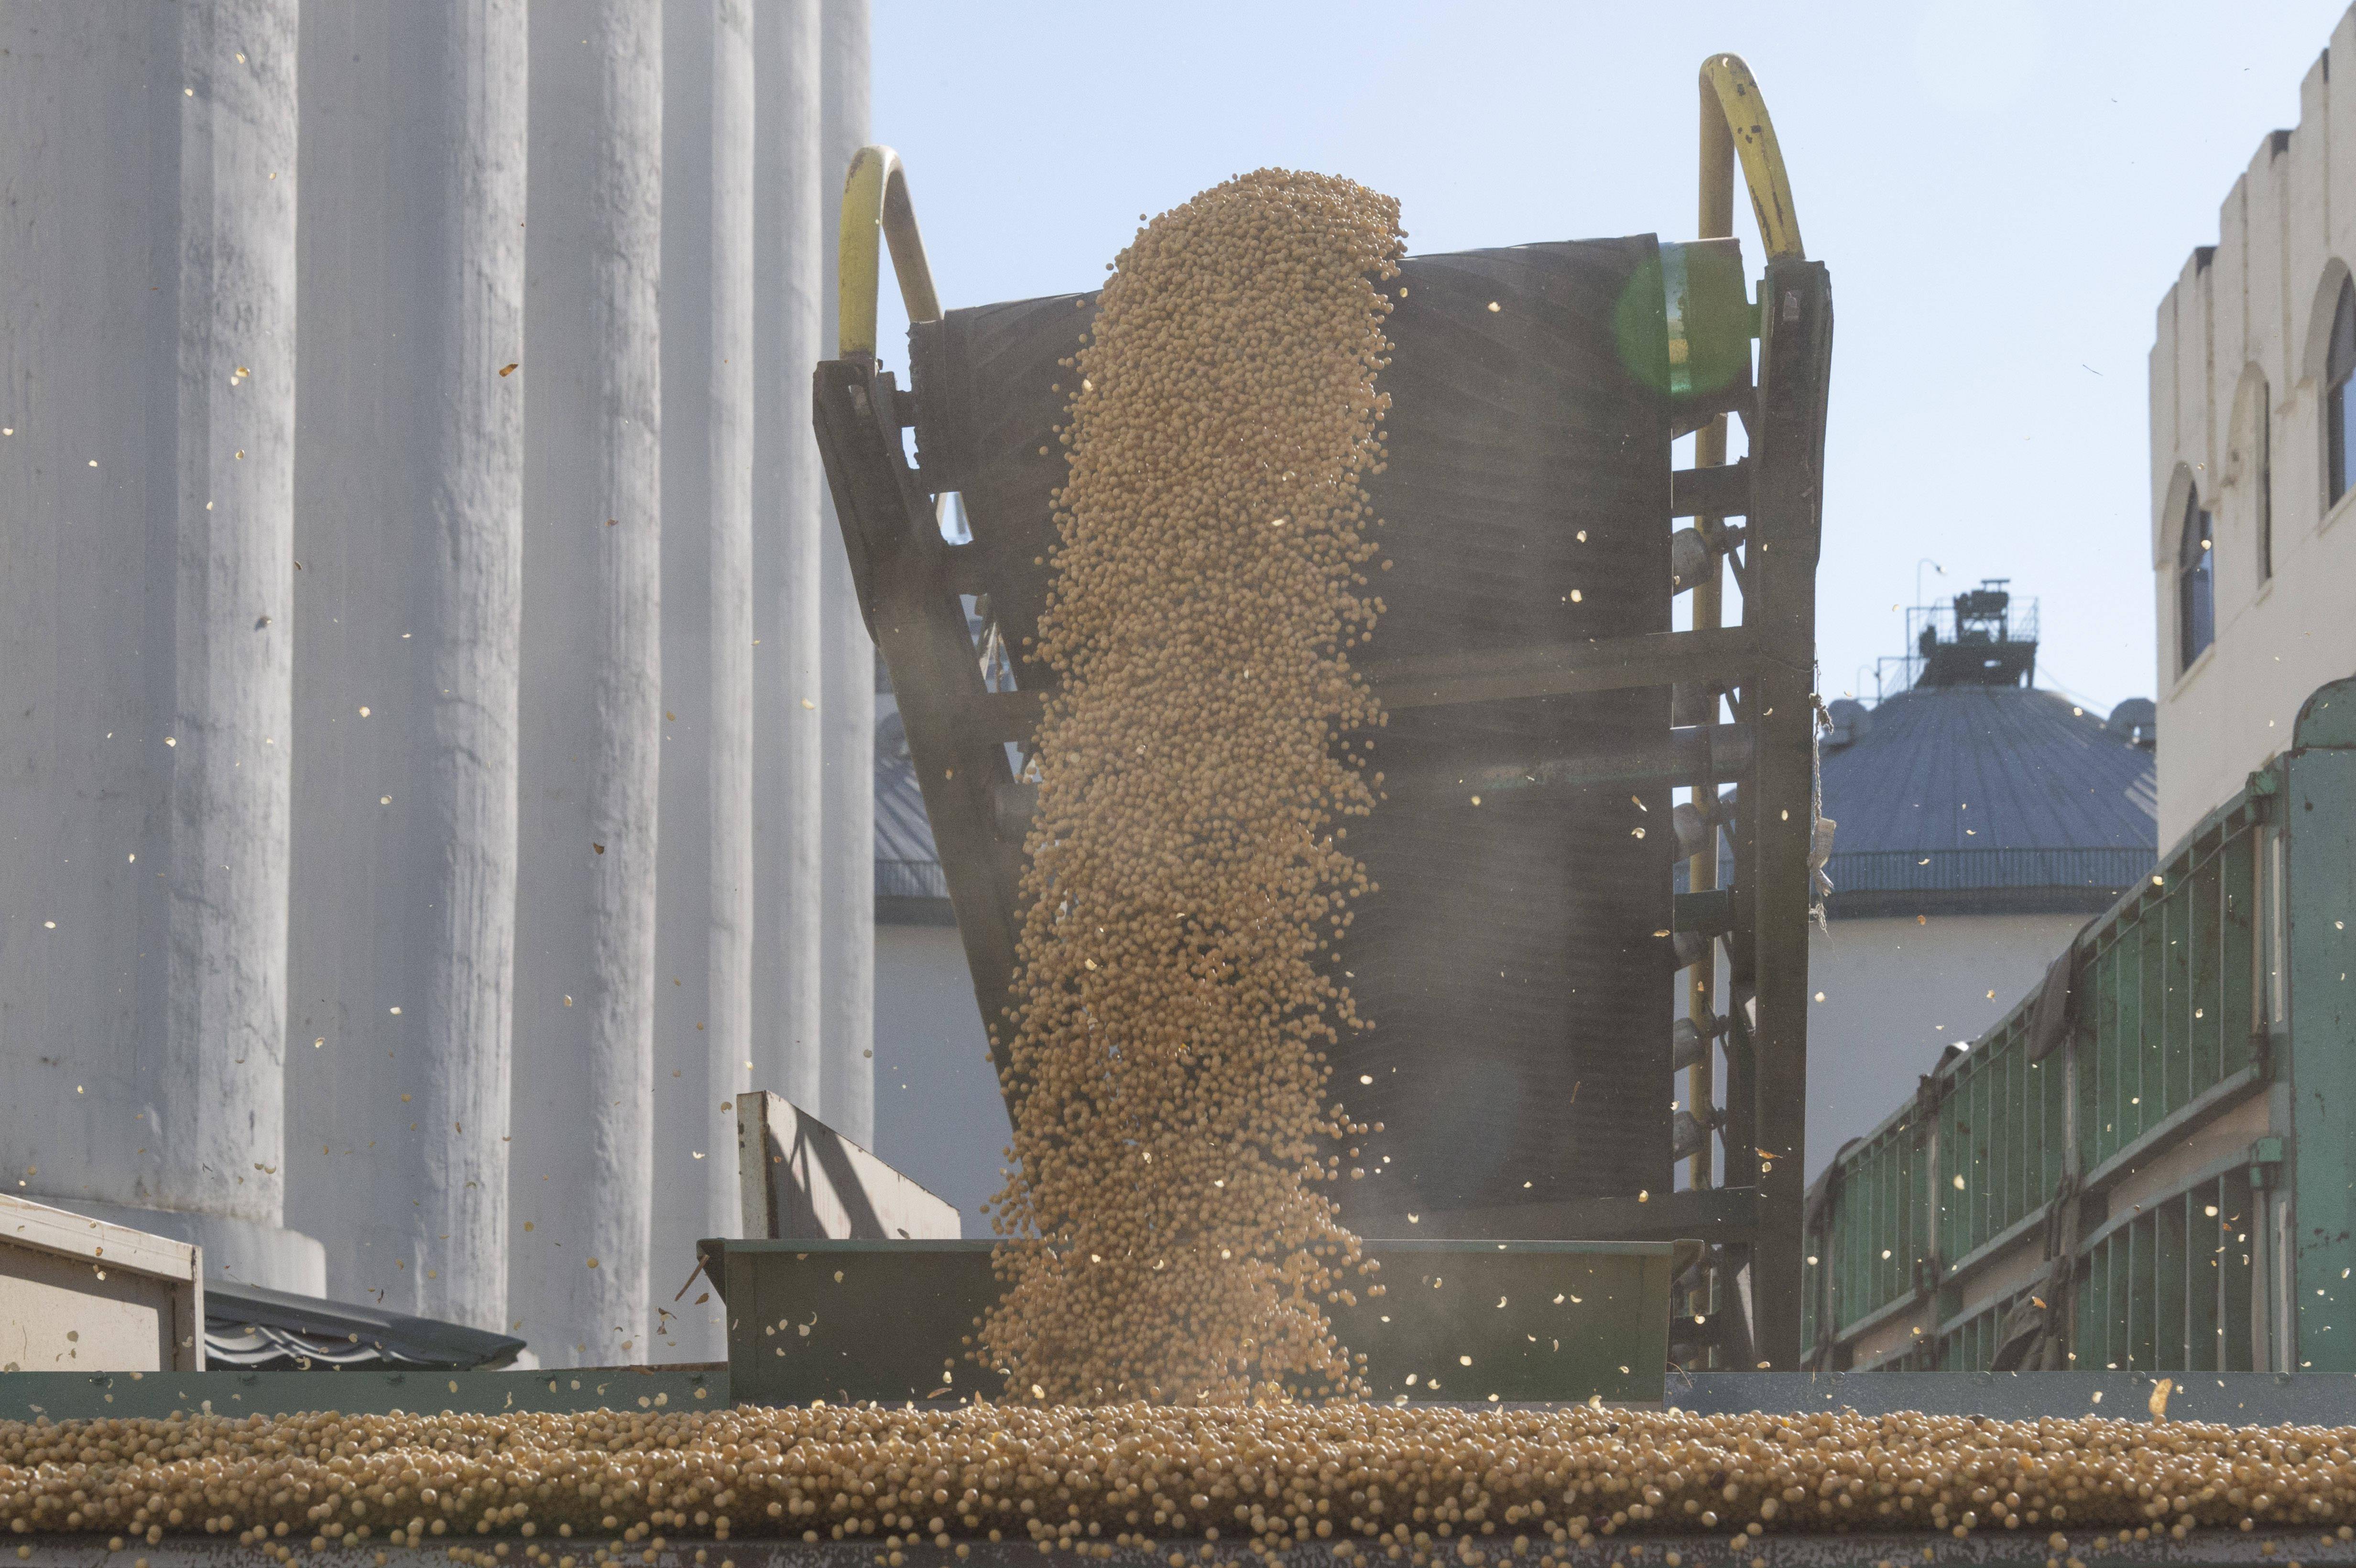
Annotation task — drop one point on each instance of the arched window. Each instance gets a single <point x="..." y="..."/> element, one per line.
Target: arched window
<point x="2196" y="584"/>
<point x="2340" y="407"/>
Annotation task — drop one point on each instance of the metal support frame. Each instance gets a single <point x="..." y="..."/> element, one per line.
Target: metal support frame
<point x="1778" y="813"/>
<point x="1761" y="1127"/>
<point x="909" y="580"/>
<point x="956" y="735"/>
<point x="908" y="593"/>
<point x="1716" y="219"/>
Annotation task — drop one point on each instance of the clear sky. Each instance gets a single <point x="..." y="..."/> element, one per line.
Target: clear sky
<point x="2003" y="191"/>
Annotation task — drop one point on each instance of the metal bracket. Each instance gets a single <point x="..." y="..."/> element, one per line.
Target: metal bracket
<point x="1718" y="1213"/>
<point x="1709" y="911"/>
<point x="2266" y="1156"/>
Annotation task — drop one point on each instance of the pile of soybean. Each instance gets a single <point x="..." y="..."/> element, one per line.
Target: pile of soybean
<point x="1202" y="746"/>
<point x="1371" y="1481"/>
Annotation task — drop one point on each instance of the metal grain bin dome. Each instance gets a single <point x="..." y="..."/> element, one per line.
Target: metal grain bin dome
<point x="1987" y="800"/>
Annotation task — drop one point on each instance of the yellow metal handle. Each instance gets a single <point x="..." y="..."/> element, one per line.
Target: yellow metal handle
<point x="1728" y="85"/>
<point x="875" y="205"/>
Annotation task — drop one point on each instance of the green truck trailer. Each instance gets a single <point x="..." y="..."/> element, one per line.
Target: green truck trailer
<point x="2149" y="1164"/>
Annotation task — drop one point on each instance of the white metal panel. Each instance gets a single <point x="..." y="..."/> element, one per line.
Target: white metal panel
<point x="83" y="1295"/>
<point x="801" y="1179"/>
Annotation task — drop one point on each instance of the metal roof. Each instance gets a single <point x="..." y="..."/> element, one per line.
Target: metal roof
<point x="257" y="1329"/>
<point x="1988" y="798"/>
<point x="910" y="887"/>
<point x="902" y="833"/>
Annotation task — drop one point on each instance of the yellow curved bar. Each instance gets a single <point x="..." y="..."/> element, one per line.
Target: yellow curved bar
<point x="876" y="206"/>
<point x="1727" y="82"/>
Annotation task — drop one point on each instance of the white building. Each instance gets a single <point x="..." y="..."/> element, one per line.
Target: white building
<point x="2253" y="454"/>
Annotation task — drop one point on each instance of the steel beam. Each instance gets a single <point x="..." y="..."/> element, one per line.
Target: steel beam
<point x="1708" y="1214"/>
<point x="897" y="562"/>
<point x="1719" y="491"/>
<point x="1787" y="453"/>
<point x="1557" y="669"/>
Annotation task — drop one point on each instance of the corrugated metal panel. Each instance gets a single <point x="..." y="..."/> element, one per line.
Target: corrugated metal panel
<point x="1508" y="960"/>
<point x="257" y="1329"/>
<point x="2001" y="1138"/>
<point x="1984" y="800"/>
<point x="2164" y="1017"/>
<point x="902" y="833"/>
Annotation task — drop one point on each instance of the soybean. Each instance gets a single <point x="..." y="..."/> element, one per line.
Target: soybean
<point x="1203" y="743"/>
<point x="1405" y="1484"/>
